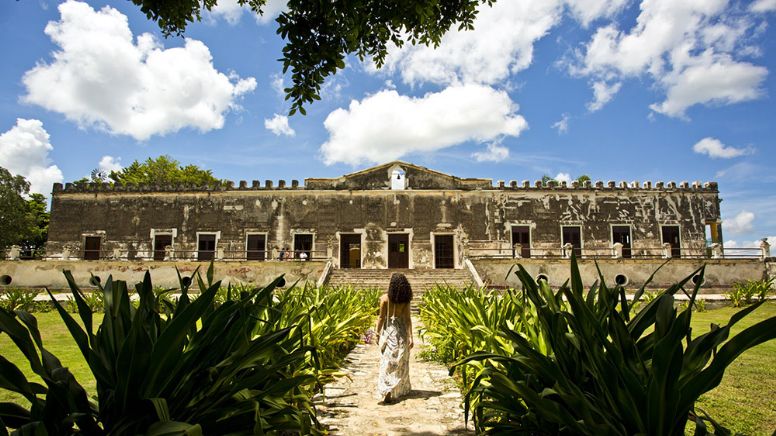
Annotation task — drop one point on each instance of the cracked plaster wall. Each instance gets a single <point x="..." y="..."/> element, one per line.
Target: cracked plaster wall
<point x="479" y="219"/>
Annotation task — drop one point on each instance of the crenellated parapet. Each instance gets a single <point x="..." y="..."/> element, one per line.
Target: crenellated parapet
<point x="228" y="185"/>
<point x="610" y="185"/>
<point x="512" y="185"/>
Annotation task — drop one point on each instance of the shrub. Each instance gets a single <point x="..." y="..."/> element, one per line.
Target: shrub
<point x="746" y="292"/>
<point x="248" y="366"/>
<point x="18" y="299"/>
<point x="605" y="371"/>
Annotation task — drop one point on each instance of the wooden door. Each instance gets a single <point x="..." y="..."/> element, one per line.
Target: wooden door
<point x="206" y="247"/>
<point x="92" y="247"/>
<point x="443" y="251"/>
<point x="398" y="250"/>
<point x="256" y="247"/>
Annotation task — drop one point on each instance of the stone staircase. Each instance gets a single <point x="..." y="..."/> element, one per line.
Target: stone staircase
<point x="420" y="279"/>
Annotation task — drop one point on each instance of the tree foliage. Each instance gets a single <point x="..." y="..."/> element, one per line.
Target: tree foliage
<point x="320" y="34"/>
<point x="13" y="208"/>
<point x="163" y="170"/>
<point x="37" y="224"/>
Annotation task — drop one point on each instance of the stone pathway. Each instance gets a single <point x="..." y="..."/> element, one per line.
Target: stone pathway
<point x="432" y="408"/>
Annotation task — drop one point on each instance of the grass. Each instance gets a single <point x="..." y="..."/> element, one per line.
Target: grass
<point x="745" y="401"/>
<point x="57" y="340"/>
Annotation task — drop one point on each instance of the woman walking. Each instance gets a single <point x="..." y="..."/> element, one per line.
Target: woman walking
<point x="394" y="330"/>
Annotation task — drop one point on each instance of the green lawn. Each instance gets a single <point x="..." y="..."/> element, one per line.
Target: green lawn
<point x="58" y="341"/>
<point x="745" y="401"/>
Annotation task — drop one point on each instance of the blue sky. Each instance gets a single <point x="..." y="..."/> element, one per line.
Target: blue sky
<point x="615" y="89"/>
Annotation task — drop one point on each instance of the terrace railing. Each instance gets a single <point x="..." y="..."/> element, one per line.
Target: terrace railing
<point x="485" y="250"/>
<point x="203" y="255"/>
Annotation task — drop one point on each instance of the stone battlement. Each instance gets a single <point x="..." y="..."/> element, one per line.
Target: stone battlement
<point x="281" y="185"/>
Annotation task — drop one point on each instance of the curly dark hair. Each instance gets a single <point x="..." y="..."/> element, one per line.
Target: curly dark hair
<point x="399" y="290"/>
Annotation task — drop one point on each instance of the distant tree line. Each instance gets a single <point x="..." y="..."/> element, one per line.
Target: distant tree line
<point x="23" y="217"/>
<point x="163" y="170"/>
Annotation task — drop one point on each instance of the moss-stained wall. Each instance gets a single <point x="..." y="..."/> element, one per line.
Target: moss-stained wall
<point x="480" y="219"/>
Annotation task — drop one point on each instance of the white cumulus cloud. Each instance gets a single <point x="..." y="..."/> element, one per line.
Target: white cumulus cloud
<point x="741" y="223"/>
<point x="563" y="177"/>
<point x="763" y="6"/>
<point x="109" y="163"/>
<point x="103" y="76"/>
<point x="24" y="151"/>
<point x="715" y="149"/>
<point x="692" y="50"/>
<point x="386" y="125"/>
<point x="495" y="152"/>
<point x="602" y="94"/>
<point x="500" y="44"/>
<point x="586" y="11"/>
<point x="231" y="11"/>
<point x="279" y="125"/>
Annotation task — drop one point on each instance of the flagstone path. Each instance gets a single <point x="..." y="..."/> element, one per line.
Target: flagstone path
<point x="432" y="408"/>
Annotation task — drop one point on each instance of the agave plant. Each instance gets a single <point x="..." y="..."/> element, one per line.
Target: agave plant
<point x="606" y="370"/>
<point x="199" y="370"/>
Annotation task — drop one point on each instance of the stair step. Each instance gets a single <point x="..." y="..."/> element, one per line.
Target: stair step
<point x="420" y="280"/>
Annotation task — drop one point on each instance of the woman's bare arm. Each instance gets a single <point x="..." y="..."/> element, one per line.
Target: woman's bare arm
<point x="381" y="318"/>
<point x="408" y="315"/>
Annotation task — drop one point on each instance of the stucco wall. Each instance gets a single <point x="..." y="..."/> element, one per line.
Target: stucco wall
<point x="479" y="219"/>
<point x="31" y="273"/>
<point x="720" y="274"/>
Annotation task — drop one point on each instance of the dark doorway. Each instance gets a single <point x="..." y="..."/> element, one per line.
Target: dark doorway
<point x="622" y="234"/>
<point x="521" y="235"/>
<point x="671" y="236"/>
<point x="160" y="243"/>
<point x="443" y="251"/>
<point x="350" y="250"/>
<point x="573" y="235"/>
<point x="303" y="243"/>
<point x="206" y="247"/>
<point x="92" y="247"/>
<point x="256" y="247"/>
<point x="398" y="250"/>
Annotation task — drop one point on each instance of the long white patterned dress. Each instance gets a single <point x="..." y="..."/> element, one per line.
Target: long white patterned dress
<point x="394" y="375"/>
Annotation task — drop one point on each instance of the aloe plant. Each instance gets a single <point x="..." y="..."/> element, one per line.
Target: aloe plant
<point x="607" y="370"/>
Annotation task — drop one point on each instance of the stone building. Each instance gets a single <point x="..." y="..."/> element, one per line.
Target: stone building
<point x="396" y="215"/>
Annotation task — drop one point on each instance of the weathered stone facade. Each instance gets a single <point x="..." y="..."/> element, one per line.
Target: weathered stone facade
<point x="396" y="212"/>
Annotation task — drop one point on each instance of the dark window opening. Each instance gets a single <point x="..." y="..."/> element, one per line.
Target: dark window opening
<point x="160" y="243"/>
<point x="256" y="248"/>
<point x="521" y="235"/>
<point x="573" y="235"/>
<point x="350" y="250"/>
<point x="206" y="247"/>
<point x="303" y="244"/>
<point x="443" y="251"/>
<point x="671" y="236"/>
<point x="92" y="247"/>
<point x="622" y="234"/>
